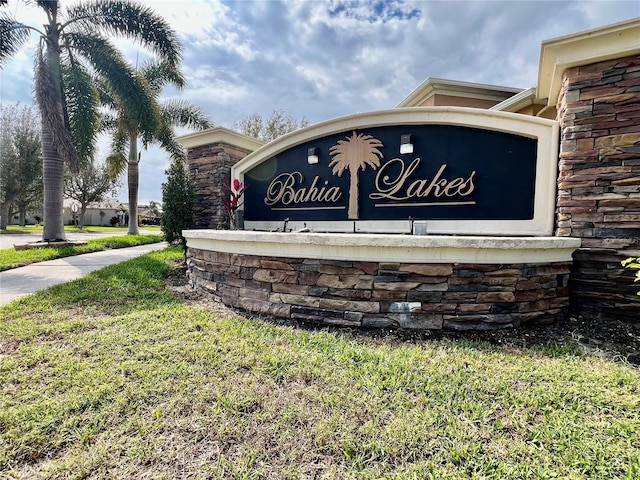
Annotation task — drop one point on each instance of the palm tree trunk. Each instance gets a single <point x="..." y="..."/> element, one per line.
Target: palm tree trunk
<point x="52" y="177"/>
<point x="51" y="114"/>
<point x="133" y="174"/>
<point x="353" y="194"/>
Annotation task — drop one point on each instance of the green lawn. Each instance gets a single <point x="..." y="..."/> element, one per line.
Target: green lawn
<point x="111" y="376"/>
<point x="12" y="258"/>
<point x="16" y="229"/>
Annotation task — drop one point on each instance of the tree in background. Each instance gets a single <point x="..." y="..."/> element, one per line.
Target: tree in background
<point x="30" y="201"/>
<point x="72" y="54"/>
<point x="268" y="129"/>
<point x="90" y="185"/>
<point x="155" y="209"/>
<point x="128" y="127"/>
<point x="178" y="195"/>
<point x="20" y="162"/>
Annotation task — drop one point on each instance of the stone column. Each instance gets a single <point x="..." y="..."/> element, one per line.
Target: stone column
<point x="210" y="169"/>
<point x="599" y="184"/>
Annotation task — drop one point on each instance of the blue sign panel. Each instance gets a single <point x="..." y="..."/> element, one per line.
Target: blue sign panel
<point x="428" y="172"/>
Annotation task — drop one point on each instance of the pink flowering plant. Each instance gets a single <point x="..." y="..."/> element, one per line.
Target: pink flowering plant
<point x="233" y="203"/>
<point x="633" y="263"/>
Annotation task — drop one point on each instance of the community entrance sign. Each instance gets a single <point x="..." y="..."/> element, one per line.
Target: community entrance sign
<point x="458" y="170"/>
<point x="452" y="173"/>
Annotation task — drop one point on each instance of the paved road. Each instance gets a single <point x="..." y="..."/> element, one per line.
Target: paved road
<point x="22" y="281"/>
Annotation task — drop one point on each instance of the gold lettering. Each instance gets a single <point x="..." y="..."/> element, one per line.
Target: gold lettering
<point x="469" y="185"/>
<point x="387" y="187"/>
<point x="416" y="189"/>
<point x="453" y="188"/>
<point x="299" y="195"/>
<point x="391" y="183"/>
<point x="285" y="190"/>
<point x="397" y="187"/>
<point x="279" y="190"/>
<point x="333" y="194"/>
<point x="436" y="183"/>
<point x="314" y="192"/>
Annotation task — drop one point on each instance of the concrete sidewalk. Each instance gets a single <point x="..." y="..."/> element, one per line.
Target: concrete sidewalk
<point x="22" y="281"/>
<point x="8" y="240"/>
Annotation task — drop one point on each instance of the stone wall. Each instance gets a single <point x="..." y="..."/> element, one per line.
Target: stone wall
<point x="210" y="169"/>
<point x="598" y="201"/>
<point x="599" y="184"/>
<point x="378" y="295"/>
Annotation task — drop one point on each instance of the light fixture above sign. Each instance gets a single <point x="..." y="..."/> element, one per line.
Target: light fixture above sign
<point x="459" y="177"/>
<point x="313" y="155"/>
<point x="406" y="144"/>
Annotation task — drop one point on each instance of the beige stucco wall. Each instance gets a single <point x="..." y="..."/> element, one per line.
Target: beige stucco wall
<point x="454" y="101"/>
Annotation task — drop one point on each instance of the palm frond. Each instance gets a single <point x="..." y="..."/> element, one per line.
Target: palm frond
<point x="116" y="164"/>
<point x="160" y="74"/>
<point x="166" y="137"/>
<point x="128" y="19"/>
<point x="108" y="123"/>
<point x="118" y="158"/>
<point x="339" y="164"/>
<point x="372" y="162"/>
<point x="120" y="139"/>
<point x="13" y="35"/>
<point x="50" y="6"/>
<point x="106" y="96"/>
<point x="132" y="92"/>
<point x="82" y="103"/>
<point x="179" y="113"/>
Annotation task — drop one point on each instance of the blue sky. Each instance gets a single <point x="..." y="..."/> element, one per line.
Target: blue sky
<point x="325" y="59"/>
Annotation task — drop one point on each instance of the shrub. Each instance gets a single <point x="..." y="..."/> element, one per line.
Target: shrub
<point x="177" y="202"/>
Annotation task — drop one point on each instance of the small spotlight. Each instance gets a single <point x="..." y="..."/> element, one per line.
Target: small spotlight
<point x="406" y="144"/>
<point x="312" y="155"/>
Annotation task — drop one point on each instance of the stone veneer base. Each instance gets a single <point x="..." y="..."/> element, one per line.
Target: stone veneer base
<point x="411" y="282"/>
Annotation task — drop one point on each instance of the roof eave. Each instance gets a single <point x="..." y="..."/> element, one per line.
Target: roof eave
<point x="456" y="88"/>
<point x="592" y="46"/>
<point x="222" y="135"/>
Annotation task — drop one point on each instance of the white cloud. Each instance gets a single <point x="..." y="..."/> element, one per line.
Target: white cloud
<point x="192" y="18"/>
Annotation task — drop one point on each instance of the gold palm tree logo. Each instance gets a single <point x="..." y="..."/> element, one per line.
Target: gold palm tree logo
<point x="354" y="153"/>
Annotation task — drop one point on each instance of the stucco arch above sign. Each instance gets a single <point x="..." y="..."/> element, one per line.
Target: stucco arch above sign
<point x="467" y="171"/>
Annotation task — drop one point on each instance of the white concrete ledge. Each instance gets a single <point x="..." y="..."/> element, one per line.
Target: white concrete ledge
<point x="387" y="248"/>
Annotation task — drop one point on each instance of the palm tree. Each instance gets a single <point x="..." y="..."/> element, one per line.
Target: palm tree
<point x="73" y="52"/>
<point x="154" y="208"/>
<point x="354" y="153"/>
<point x="128" y="126"/>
